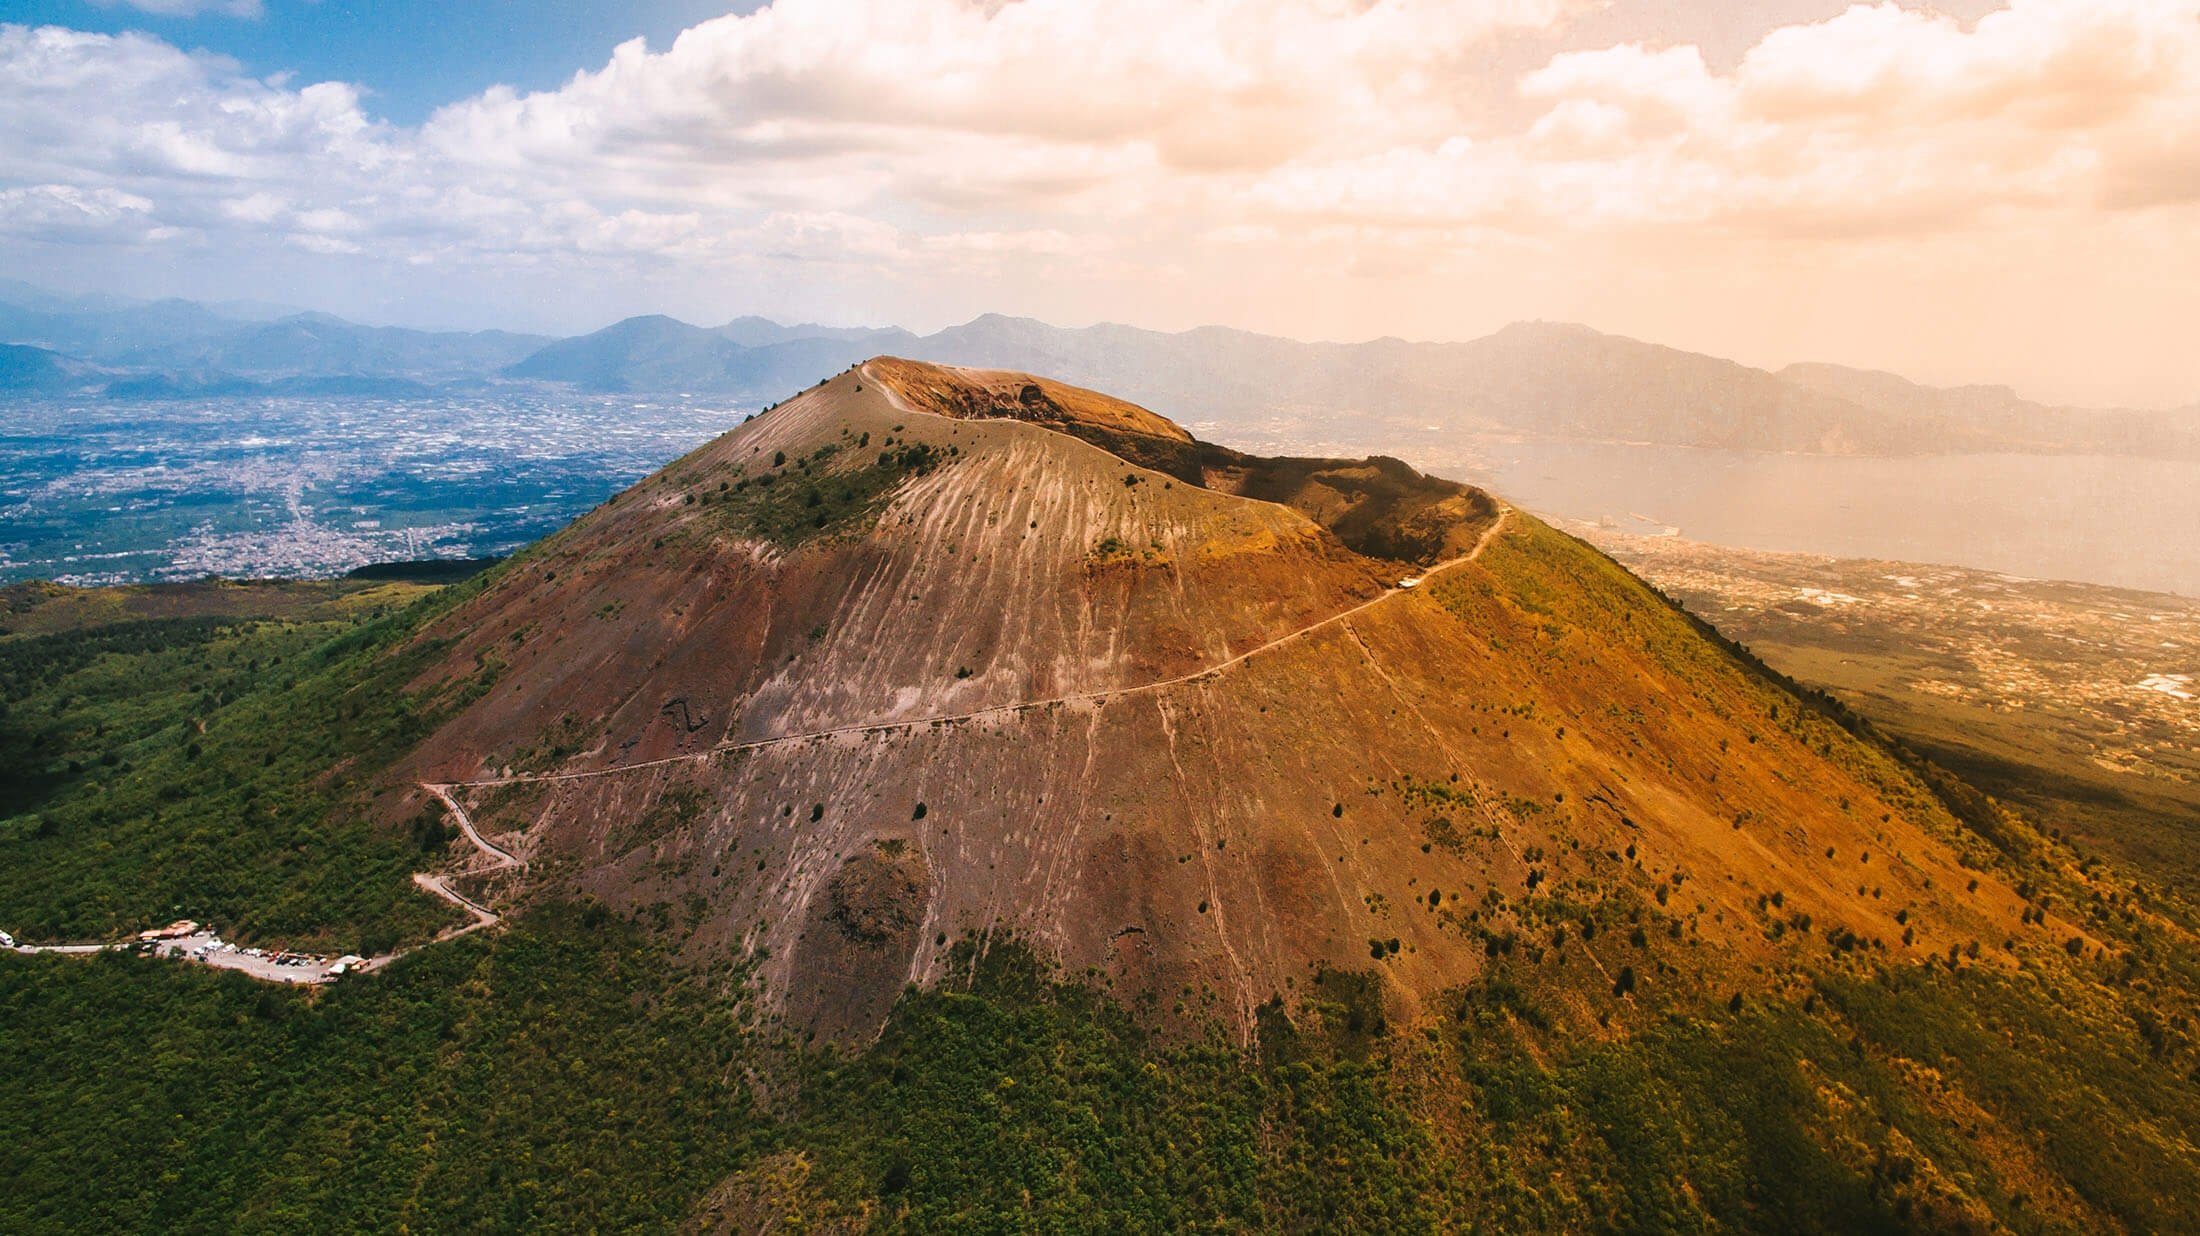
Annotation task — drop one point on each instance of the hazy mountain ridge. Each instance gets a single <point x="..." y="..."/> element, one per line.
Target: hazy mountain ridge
<point x="660" y="354"/>
<point x="1533" y="379"/>
<point x="37" y="370"/>
<point x="180" y="348"/>
<point x="318" y="345"/>
<point x="1994" y="416"/>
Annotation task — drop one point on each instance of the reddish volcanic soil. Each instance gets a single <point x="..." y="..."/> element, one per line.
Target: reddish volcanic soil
<point x="1010" y="645"/>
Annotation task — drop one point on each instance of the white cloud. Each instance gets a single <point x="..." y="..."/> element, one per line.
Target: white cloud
<point x="1037" y="150"/>
<point x="946" y="128"/>
<point x="1880" y="120"/>
<point x="960" y="105"/>
<point x="76" y="214"/>
<point x="926" y="115"/>
<point x="189" y="8"/>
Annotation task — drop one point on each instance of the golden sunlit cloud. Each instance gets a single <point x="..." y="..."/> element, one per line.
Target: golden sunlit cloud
<point x="1311" y="168"/>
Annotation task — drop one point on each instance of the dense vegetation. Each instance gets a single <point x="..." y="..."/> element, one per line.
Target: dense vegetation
<point x="425" y="570"/>
<point x="565" y="1074"/>
<point x="182" y="766"/>
<point x="553" y="1078"/>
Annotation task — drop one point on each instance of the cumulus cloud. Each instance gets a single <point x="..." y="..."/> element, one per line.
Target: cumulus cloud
<point x="1204" y="84"/>
<point x="950" y="129"/>
<point x="1049" y="140"/>
<point x="1880" y="119"/>
<point x="914" y="112"/>
<point x="77" y="214"/>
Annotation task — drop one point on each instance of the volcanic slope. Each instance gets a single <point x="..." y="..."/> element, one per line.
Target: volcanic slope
<point x="912" y="658"/>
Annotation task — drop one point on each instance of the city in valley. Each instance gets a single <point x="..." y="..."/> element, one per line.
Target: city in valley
<point x="100" y="491"/>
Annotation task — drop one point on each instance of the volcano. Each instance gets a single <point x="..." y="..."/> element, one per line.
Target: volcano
<point x="925" y="659"/>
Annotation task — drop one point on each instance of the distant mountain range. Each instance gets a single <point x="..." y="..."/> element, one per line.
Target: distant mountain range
<point x="183" y="349"/>
<point x="37" y="371"/>
<point x="1533" y="379"/>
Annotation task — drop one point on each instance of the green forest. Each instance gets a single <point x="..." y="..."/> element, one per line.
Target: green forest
<point x="564" y="1075"/>
<point x="181" y="766"/>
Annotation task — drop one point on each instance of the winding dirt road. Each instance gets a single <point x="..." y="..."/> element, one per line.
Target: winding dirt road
<point x="205" y="948"/>
<point x="499" y="857"/>
<point x="439" y="884"/>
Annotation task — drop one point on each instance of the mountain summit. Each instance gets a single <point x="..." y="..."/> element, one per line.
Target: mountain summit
<point x="927" y="655"/>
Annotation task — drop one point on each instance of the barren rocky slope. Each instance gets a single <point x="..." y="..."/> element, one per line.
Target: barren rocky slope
<point x="910" y="659"/>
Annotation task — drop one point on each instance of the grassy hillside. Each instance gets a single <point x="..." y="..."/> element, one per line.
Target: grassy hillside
<point x="39" y="608"/>
<point x="212" y="763"/>
<point x="559" y="1077"/>
<point x="2032" y="758"/>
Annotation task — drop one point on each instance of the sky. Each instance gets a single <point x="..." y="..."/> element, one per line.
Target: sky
<point x="1959" y="191"/>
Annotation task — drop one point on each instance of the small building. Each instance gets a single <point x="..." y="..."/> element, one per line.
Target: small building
<point x="174" y="931"/>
